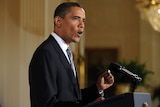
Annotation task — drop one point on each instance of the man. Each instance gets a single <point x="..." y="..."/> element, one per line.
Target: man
<point x="52" y="78"/>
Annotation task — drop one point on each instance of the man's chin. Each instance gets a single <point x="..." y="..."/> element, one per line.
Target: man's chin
<point x="77" y="40"/>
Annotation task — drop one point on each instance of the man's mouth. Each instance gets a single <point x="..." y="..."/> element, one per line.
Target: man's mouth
<point x="80" y="33"/>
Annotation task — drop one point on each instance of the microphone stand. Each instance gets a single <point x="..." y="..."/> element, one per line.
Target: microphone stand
<point x="134" y="84"/>
<point x="135" y="78"/>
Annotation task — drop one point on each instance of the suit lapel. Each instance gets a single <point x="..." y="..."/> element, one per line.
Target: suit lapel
<point x="67" y="66"/>
<point x="71" y="75"/>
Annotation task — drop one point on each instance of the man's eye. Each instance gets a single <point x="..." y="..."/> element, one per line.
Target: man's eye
<point x="76" y="17"/>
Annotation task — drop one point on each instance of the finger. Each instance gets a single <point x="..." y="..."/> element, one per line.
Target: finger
<point x="109" y="78"/>
<point x="106" y="73"/>
<point x="109" y="71"/>
<point x="109" y="81"/>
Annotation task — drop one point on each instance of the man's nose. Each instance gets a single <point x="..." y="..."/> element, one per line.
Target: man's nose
<point x="81" y="24"/>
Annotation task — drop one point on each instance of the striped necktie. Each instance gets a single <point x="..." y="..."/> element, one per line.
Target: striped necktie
<point x="69" y="53"/>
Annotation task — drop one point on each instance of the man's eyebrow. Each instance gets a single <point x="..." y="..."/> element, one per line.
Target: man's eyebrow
<point x="76" y="16"/>
<point x="84" y="19"/>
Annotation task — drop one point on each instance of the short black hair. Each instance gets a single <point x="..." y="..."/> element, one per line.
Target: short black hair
<point x="64" y="8"/>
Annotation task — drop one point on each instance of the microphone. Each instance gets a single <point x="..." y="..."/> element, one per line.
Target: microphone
<point x="118" y="68"/>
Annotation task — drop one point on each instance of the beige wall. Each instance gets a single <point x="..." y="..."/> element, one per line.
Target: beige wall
<point x="24" y="24"/>
<point x="150" y="51"/>
<point x="118" y="24"/>
<point x="113" y="24"/>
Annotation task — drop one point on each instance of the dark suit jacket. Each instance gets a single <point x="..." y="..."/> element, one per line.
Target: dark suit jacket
<point x="51" y="79"/>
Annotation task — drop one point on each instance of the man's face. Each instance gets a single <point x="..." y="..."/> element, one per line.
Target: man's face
<point x="72" y="25"/>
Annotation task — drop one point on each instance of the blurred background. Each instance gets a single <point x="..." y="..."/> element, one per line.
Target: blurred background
<point x="124" y="31"/>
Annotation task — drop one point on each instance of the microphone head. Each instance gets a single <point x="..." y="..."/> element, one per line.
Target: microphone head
<point x="115" y="67"/>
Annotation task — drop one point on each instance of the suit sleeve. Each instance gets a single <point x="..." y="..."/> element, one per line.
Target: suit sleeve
<point x="89" y="94"/>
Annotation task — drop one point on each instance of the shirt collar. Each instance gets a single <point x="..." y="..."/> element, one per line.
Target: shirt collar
<point x="60" y="41"/>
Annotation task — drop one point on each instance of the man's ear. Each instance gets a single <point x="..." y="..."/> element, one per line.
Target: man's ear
<point x="58" y="21"/>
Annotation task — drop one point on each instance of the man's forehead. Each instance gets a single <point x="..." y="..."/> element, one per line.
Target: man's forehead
<point x="77" y="11"/>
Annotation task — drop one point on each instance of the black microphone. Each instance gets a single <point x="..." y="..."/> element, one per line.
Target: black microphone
<point x="118" y="68"/>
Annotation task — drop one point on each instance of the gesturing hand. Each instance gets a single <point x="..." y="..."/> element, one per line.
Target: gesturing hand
<point x="105" y="80"/>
